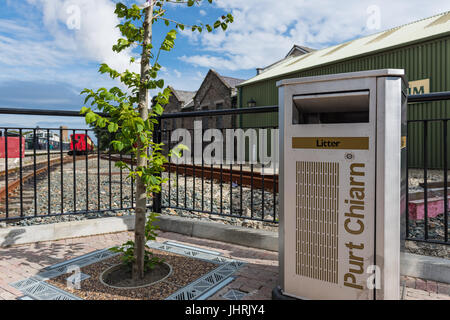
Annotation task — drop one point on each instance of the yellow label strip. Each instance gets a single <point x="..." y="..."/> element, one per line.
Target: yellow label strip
<point x="333" y="143"/>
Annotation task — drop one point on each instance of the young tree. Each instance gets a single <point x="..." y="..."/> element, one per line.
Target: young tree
<point x="129" y="116"/>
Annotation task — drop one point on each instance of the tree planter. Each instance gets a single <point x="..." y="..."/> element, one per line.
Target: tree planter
<point x="119" y="277"/>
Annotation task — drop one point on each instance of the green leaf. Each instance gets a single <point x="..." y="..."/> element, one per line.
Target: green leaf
<point x="90" y="117"/>
<point x="158" y="109"/>
<point x="160" y="83"/>
<point x="113" y="127"/>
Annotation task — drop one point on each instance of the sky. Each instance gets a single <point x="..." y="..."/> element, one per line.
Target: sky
<point x="50" y="50"/>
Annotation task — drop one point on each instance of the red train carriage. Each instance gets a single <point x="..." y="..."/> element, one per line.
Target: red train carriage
<point x="13" y="147"/>
<point x="80" y="144"/>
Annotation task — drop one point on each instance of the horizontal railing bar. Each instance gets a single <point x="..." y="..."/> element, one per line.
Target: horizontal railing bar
<point x="64" y="113"/>
<point x="43" y="129"/>
<point x="429" y="97"/>
<point x="43" y="112"/>
<point x="429" y="120"/>
<point x="224" y="112"/>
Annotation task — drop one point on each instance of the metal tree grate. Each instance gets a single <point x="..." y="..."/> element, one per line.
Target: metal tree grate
<point x="35" y="288"/>
<point x="205" y="285"/>
<point x="234" y="295"/>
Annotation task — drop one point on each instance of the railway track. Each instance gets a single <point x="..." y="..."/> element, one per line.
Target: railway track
<point x="29" y="193"/>
<point x="255" y="179"/>
<point x="17" y="177"/>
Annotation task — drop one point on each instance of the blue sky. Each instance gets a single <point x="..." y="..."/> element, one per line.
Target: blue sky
<point x="46" y="58"/>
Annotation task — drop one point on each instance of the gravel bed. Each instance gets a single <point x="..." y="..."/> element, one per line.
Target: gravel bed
<point x="436" y="226"/>
<point x="193" y="195"/>
<point x="185" y="270"/>
<point x="220" y="199"/>
<point x="416" y="176"/>
<point x="80" y="195"/>
<point x="428" y="249"/>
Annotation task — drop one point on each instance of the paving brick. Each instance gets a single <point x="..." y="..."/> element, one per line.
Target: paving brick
<point x="409" y="282"/>
<point x="238" y="283"/>
<point x="443" y="288"/>
<point x="258" y="277"/>
<point x="252" y="285"/>
<point x="421" y="284"/>
<point x="5" y="295"/>
<point x="419" y="294"/>
<point x="266" y="291"/>
<point x="440" y="297"/>
<point x="432" y="287"/>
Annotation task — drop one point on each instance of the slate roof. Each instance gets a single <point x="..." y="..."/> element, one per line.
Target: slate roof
<point x="232" y="82"/>
<point x="185" y="97"/>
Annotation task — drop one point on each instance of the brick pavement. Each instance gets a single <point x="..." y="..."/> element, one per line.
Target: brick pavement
<point x="256" y="278"/>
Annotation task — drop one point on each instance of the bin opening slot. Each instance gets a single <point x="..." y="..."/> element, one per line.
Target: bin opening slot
<point x="331" y="108"/>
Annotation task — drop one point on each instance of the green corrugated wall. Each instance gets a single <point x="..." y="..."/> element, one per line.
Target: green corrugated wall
<point x="425" y="60"/>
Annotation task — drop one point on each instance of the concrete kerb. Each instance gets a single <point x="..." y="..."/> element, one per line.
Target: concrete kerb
<point x="258" y="239"/>
<point x="423" y="267"/>
<point x="428" y="268"/>
<point x="191" y="227"/>
<point x="64" y="230"/>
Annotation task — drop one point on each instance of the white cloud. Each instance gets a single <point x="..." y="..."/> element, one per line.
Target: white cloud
<point x="181" y="80"/>
<point x="265" y="30"/>
<point x="97" y="31"/>
<point x="40" y="44"/>
<point x="177" y="73"/>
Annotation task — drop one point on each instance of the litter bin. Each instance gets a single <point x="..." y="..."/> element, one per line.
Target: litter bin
<point x="342" y="167"/>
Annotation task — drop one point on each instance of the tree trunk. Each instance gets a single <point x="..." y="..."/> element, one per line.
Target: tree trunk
<point x="141" y="191"/>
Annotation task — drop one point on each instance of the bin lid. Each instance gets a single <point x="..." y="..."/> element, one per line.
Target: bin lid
<point x="343" y="76"/>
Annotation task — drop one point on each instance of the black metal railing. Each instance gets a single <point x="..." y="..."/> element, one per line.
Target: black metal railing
<point x="426" y="217"/>
<point x="242" y="191"/>
<point x="59" y="181"/>
<point x="49" y="180"/>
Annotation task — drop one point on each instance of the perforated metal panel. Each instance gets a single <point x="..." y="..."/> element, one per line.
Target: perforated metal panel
<point x="317" y="220"/>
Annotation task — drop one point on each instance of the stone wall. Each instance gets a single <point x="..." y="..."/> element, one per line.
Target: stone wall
<point x="213" y="95"/>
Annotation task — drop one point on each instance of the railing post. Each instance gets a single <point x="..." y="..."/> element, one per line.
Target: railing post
<point x="157" y="138"/>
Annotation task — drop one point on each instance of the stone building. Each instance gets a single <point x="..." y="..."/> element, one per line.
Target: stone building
<point x="179" y="101"/>
<point x="215" y="93"/>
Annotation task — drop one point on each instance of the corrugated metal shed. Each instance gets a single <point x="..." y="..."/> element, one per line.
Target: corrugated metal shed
<point x="421" y="48"/>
